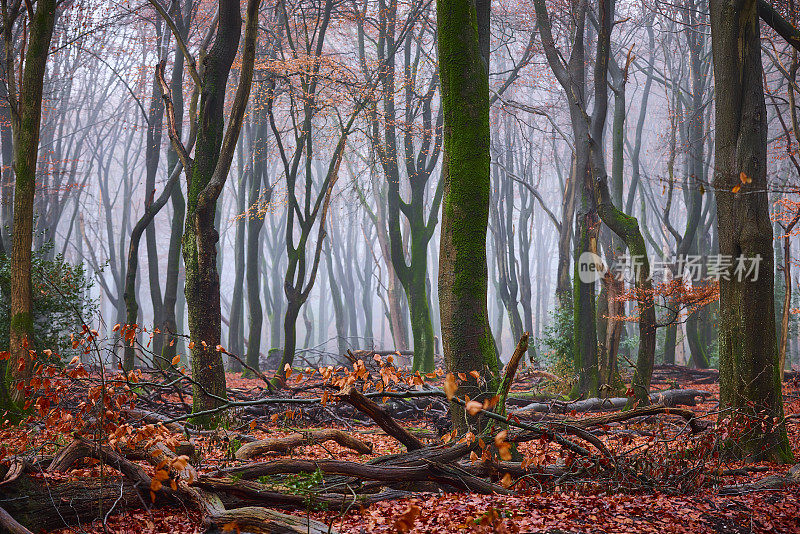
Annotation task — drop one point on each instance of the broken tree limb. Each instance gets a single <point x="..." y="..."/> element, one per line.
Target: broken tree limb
<point x="251" y="493"/>
<point x="10" y="525"/>
<point x="14" y="471"/>
<point x="260" y="520"/>
<point x="510" y="372"/>
<point x="771" y="482"/>
<point x="439" y="472"/>
<point x="81" y="448"/>
<point x="250" y="450"/>
<point x="669" y="398"/>
<point x="328" y="467"/>
<point x="255" y="519"/>
<point x="644" y="411"/>
<point x="154" y="418"/>
<point x="382" y="418"/>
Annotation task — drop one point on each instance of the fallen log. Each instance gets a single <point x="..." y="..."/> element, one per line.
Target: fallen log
<point x="440" y="473"/>
<point x="328" y="467"/>
<point x="154" y="418"/>
<point x="40" y="505"/>
<point x="250" y="450"/>
<point x="771" y="482"/>
<point x="242" y="493"/>
<point x="81" y="448"/>
<point x="257" y="519"/>
<point x="10" y="525"/>
<point x="262" y="520"/>
<point x="644" y="411"/>
<point x="668" y="398"/>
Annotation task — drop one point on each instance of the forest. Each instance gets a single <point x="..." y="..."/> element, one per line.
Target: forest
<point x="347" y="266"/>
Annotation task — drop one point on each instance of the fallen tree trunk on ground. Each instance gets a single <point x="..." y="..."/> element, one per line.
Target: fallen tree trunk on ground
<point x="43" y="505"/>
<point x="669" y="398"/>
<point x="10" y="525"/>
<point x="771" y="482"/>
<point x="248" y="451"/>
<point x="381" y="418"/>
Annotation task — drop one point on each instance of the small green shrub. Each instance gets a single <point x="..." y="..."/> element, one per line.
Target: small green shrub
<point x="60" y="292"/>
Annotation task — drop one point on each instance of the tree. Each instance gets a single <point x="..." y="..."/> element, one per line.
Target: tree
<point x="206" y="175"/>
<point x="26" y="113"/>
<point x="750" y="391"/>
<point x="463" y="283"/>
<point x="410" y="266"/>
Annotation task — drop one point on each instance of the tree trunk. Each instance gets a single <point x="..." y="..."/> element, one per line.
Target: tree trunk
<point x="468" y="341"/>
<point x="255" y="223"/>
<point x="171" y="342"/>
<point x="749" y="374"/>
<point x="236" y="325"/>
<point x="26" y="123"/>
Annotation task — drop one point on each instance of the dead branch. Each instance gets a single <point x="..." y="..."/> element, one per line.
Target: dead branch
<point x="249" y="451"/>
<point x="771" y="482"/>
<point x="381" y="418"/>
<point x="669" y="398"/>
<point x="258" y="519"/>
<point x="10" y="525"/>
<point x="510" y="373"/>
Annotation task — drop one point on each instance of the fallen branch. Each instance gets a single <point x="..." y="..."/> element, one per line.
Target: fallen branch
<point x="510" y="372"/>
<point x="9" y="524"/>
<point x="283" y="445"/>
<point x="771" y="482"/>
<point x="669" y="398"/>
<point x="644" y="411"/>
<point x="258" y="519"/>
<point x="381" y="418"/>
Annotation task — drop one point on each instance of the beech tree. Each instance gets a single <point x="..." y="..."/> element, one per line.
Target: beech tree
<point x="750" y="389"/>
<point x="25" y="109"/>
<point x="206" y="175"/>
<point x="464" y="74"/>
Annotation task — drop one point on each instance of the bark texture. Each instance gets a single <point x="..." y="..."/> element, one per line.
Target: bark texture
<point x="749" y="374"/>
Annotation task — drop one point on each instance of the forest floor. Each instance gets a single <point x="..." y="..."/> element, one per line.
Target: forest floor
<point x="675" y="492"/>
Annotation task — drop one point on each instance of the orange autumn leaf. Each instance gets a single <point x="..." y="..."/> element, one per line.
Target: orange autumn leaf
<point x="736" y="188"/>
<point x="744" y="178"/>
<point x="405" y="522"/>
<point x="474" y="407"/>
<point x="176" y="360"/>
<point x="450" y="386"/>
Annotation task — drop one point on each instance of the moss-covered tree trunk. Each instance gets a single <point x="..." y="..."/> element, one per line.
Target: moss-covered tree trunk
<point x="750" y="391"/>
<point x="624" y="226"/>
<point x="206" y="179"/>
<point x="468" y="341"/>
<point x="26" y="114"/>
<point x="200" y="236"/>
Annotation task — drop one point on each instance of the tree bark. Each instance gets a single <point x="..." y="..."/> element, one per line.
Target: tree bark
<point x="468" y="341"/>
<point x="749" y="374"/>
<point x="26" y="123"/>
